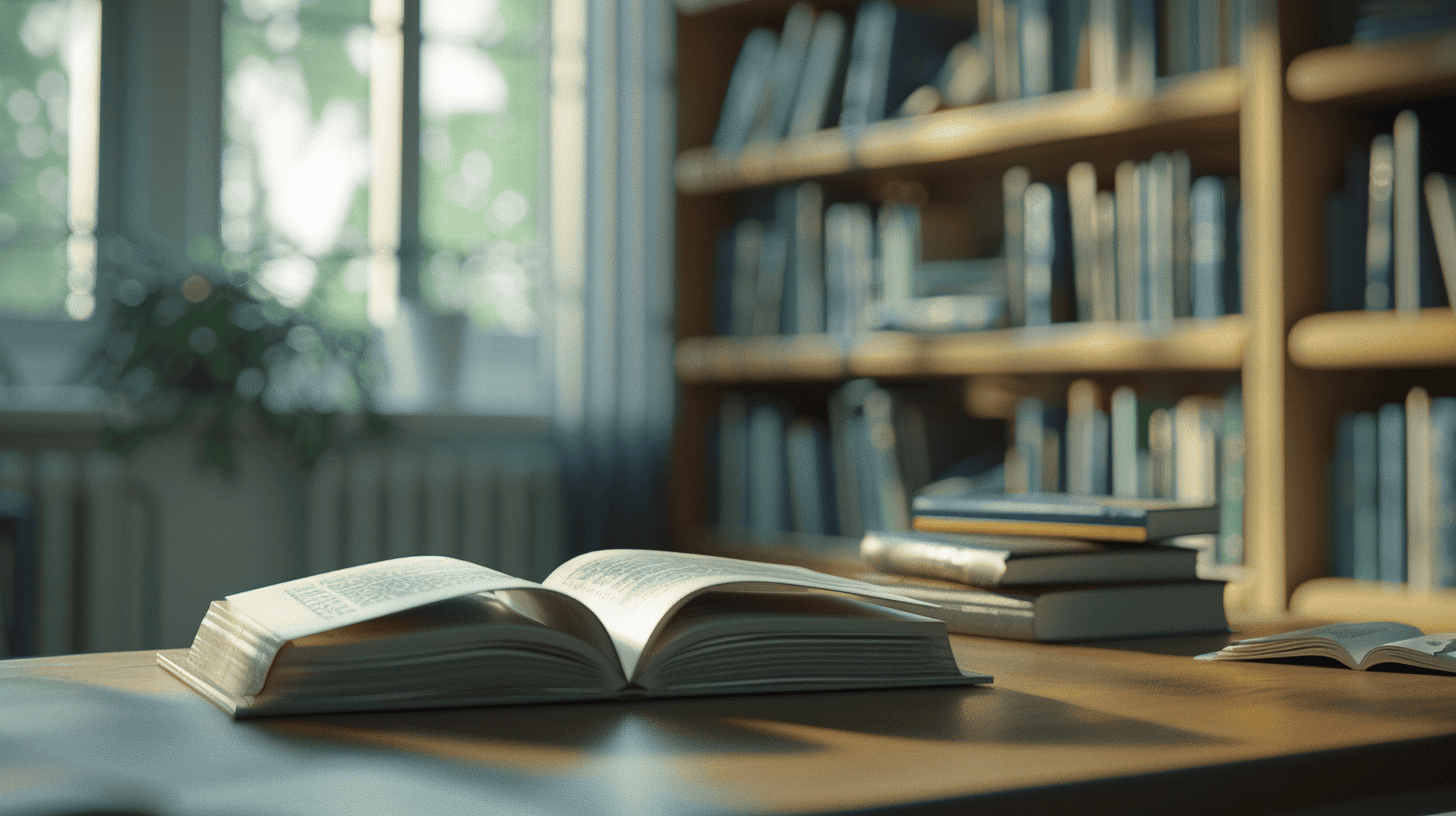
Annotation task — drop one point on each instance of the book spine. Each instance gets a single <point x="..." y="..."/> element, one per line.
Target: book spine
<point x="1406" y="211"/>
<point x="1014" y="184"/>
<point x="1129" y="241"/>
<point x="733" y="464"/>
<point x="1231" y="480"/>
<point x="1443" y="490"/>
<point x="1420" y="546"/>
<point x="1391" y="503"/>
<point x="809" y="259"/>
<point x="768" y="511"/>
<point x="1441" y="204"/>
<point x="1125" y="470"/>
<point x="1210" y="246"/>
<point x="1181" y="190"/>
<point x="1342" y="498"/>
<point x="1082" y="204"/>
<point x="1378" y="237"/>
<point x="1367" y="487"/>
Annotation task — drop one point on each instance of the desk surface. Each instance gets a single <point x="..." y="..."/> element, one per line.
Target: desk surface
<point x="1137" y="723"/>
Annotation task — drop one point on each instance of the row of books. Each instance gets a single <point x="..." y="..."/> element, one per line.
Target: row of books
<point x="1131" y="447"/>
<point x="1382" y="19"/>
<point x="810" y="267"/>
<point x="1390" y="234"/>
<point x="820" y="70"/>
<point x="1159" y="245"/>
<point x="852" y="470"/>
<point x="816" y="72"/>
<point x="1393" y="486"/>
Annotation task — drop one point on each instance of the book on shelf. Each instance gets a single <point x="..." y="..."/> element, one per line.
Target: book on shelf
<point x="1384" y="19"/>
<point x="1097" y="518"/>
<point x="744" y="104"/>
<point x="1068" y="612"/>
<point x="785" y="74"/>
<point x="816" y="102"/>
<point x="989" y="560"/>
<point x="1390" y="503"/>
<point x="1441" y="204"/>
<point x="1379" y="233"/>
<point x="1392" y="490"/>
<point x="768" y="488"/>
<point x="1354" y="645"/>
<point x="893" y="52"/>
<point x="733" y="459"/>
<point x="430" y="631"/>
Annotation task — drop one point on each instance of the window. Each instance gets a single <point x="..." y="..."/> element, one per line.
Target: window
<point x="380" y="165"/>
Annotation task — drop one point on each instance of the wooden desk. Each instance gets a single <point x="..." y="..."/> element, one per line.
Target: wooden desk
<point x="1131" y="727"/>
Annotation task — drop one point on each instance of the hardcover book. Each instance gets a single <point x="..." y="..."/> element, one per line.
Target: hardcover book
<point x="1355" y="645"/>
<point x="1062" y="612"/>
<point x="1098" y="518"/>
<point x="988" y="560"/>
<point x="430" y="631"/>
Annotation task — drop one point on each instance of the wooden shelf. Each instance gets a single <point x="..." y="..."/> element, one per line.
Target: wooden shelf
<point x="1339" y="340"/>
<point x="1188" y="345"/>
<point x="1347" y="599"/>
<point x="989" y="133"/>
<point x="1384" y="72"/>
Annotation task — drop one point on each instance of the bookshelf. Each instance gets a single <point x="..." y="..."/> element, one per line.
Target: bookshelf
<point x="1280" y="121"/>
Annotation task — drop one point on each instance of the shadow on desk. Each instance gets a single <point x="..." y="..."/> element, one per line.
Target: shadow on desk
<point x="753" y="724"/>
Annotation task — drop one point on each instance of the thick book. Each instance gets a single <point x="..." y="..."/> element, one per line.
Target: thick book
<point x="1063" y="612"/>
<point x="1097" y="518"/>
<point x="1355" y="645"/>
<point x="430" y="631"/>
<point x="989" y="561"/>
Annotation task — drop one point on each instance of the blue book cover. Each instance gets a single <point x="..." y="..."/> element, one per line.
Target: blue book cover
<point x="1342" y="498"/>
<point x="1365" y="476"/>
<point x="1391" y="502"/>
<point x="1102" y="518"/>
<point x="1443" y="482"/>
<point x="1047" y="256"/>
<point x="1210" y="247"/>
<point x="1230" y="547"/>
<point x="768" y="493"/>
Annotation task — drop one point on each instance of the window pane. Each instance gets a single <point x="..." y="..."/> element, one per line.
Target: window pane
<point x="296" y="151"/>
<point x="42" y="46"/>
<point x="482" y="78"/>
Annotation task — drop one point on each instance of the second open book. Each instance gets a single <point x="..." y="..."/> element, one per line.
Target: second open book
<point x="429" y="631"/>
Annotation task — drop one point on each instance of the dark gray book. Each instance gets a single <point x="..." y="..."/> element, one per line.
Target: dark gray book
<point x="1366" y="477"/>
<point x="1067" y="612"/>
<point x="811" y="482"/>
<point x="768" y="489"/>
<point x="1130" y="242"/>
<point x="808" y="259"/>
<point x="989" y="561"/>
<point x="1443" y="490"/>
<point x="1158" y="238"/>
<point x="1047" y="256"/>
<point x="773" y="266"/>
<point x="1342" y="498"/>
<point x="1082" y="209"/>
<point x="1391" y="501"/>
<point x="1013" y="202"/>
<point x="1180" y="190"/>
<point x="748" y="239"/>
<point x="732" y="499"/>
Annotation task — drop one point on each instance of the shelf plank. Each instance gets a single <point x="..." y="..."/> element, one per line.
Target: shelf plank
<point x="990" y="131"/>
<point x="1383" y="71"/>
<point x="1348" y="599"/>
<point x="748" y="359"/>
<point x="1348" y="340"/>
<point x="1187" y="345"/>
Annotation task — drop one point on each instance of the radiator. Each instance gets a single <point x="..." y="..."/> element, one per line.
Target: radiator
<point x="498" y="505"/>
<point x="87" y="578"/>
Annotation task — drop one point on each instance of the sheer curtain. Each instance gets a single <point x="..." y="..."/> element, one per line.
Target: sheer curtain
<point x="614" y="332"/>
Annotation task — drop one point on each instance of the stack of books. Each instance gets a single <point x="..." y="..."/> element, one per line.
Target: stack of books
<point x="1053" y="566"/>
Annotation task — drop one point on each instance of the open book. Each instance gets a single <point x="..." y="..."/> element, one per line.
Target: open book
<point x="430" y="631"/>
<point x="1357" y="645"/>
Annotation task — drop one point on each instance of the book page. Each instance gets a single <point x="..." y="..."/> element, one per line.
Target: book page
<point x="1434" y="651"/>
<point x="634" y="591"/>
<point x="307" y="606"/>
